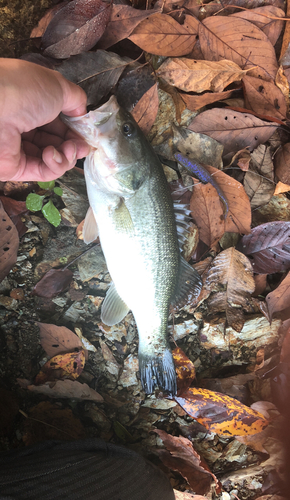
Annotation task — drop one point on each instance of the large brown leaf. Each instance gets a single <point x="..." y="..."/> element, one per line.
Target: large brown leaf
<point x="57" y="339"/>
<point x="123" y="20"/>
<point x="9" y="243"/>
<point x="264" y="18"/>
<point x="259" y="179"/>
<point x="234" y="271"/>
<point x="195" y="102"/>
<point x="207" y="213"/>
<point x="264" y="98"/>
<point x="197" y="76"/>
<point x="233" y="129"/>
<point x="146" y="109"/>
<point x="160" y="34"/>
<point x="52" y="283"/>
<point x="181" y="456"/>
<point x="278" y="301"/>
<point x="240" y="41"/>
<point x="282" y="164"/>
<point x="268" y="247"/>
<point x="76" y="28"/>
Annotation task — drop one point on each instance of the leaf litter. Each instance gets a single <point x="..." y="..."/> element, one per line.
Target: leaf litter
<point x="228" y="55"/>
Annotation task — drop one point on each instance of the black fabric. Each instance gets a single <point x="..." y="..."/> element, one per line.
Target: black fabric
<point x="90" y="469"/>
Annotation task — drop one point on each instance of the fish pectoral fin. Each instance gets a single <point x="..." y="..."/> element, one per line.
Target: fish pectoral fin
<point x="114" y="308"/>
<point x="189" y="285"/>
<point x="90" y="229"/>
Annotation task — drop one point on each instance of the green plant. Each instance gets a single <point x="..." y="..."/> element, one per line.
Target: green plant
<point x="35" y="202"/>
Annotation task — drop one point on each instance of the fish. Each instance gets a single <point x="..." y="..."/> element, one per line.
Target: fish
<point x="132" y="212"/>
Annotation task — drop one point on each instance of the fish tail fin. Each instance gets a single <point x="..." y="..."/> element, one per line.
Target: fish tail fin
<point x="157" y="370"/>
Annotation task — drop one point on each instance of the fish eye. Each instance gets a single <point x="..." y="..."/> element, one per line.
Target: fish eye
<point x="128" y="129"/>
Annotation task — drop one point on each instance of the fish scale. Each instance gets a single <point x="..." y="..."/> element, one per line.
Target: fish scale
<point x="132" y="212"/>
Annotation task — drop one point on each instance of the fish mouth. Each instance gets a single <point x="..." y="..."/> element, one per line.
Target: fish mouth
<point x="94" y="123"/>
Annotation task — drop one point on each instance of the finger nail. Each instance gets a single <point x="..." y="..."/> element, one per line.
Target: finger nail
<point x="57" y="156"/>
<point x="73" y="154"/>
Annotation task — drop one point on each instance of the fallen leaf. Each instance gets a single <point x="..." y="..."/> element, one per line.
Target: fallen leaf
<point x="71" y="389"/>
<point x="123" y="20"/>
<point x="76" y="28"/>
<point x="268" y="247"/>
<point x="39" y="30"/>
<point x="49" y="421"/>
<point x="281" y="188"/>
<point x="96" y="72"/>
<point x="264" y="18"/>
<point x="15" y="209"/>
<point x="233" y="129"/>
<point x="69" y="365"/>
<point x="57" y="339"/>
<point x="146" y="109"/>
<point x="195" y="102"/>
<point x="278" y="301"/>
<point x="9" y="243"/>
<point x="191" y="75"/>
<point x="264" y="98"/>
<point x="207" y="212"/>
<point x="220" y="413"/>
<point x="53" y="282"/>
<point x="184" y="368"/>
<point x="282" y="163"/>
<point x="232" y="38"/>
<point x="181" y="456"/>
<point x="260" y="284"/>
<point x="259" y="179"/>
<point x="234" y="271"/>
<point x="160" y="34"/>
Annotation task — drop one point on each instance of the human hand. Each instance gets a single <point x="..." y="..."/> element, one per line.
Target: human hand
<point x="34" y="144"/>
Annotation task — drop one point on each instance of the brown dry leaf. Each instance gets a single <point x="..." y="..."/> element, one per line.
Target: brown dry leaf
<point x="239" y="214"/>
<point x="232" y="38"/>
<point x="184" y="368"/>
<point x="53" y="282"/>
<point x="123" y="20"/>
<point x="76" y="28"/>
<point x="162" y="35"/>
<point x="242" y="159"/>
<point x="264" y="98"/>
<point x="220" y="413"/>
<point x="48" y="421"/>
<point x="283" y="84"/>
<point x="233" y="129"/>
<point x="71" y="389"/>
<point x="260" y="284"/>
<point x="9" y="243"/>
<point x="234" y="271"/>
<point x="263" y="18"/>
<point x="57" y="339"/>
<point x="195" y="102"/>
<point x="278" y="301"/>
<point x="184" y="495"/>
<point x="197" y="76"/>
<point x="207" y="212"/>
<point x="15" y="209"/>
<point x="181" y="456"/>
<point x="146" y="109"/>
<point x="282" y="164"/>
<point x="45" y="20"/>
<point x="259" y="179"/>
<point x="281" y="188"/>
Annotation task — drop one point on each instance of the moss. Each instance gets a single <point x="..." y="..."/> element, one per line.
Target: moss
<point x="17" y="19"/>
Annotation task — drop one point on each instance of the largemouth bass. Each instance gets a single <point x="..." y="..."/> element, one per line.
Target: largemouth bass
<point x="132" y="212"/>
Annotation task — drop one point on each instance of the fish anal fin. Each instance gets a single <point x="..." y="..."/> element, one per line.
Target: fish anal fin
<point x="188" y="286"/>
<point x="90" y="229"/>
<point x="114" y="308"/>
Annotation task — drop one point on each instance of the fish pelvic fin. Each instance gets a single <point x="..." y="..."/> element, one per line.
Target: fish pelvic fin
<point x="188" y="286"/>
<point x="157" y="371"/>
<point x="90" y="229"/>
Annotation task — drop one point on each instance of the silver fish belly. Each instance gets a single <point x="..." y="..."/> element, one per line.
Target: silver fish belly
<point x="132" y="212"/>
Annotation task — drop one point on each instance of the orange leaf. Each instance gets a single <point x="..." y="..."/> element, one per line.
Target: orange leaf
<point x="69" y="365"/>
<point x="184" y="368"/>
<point x="220" y="413"/>
<point x="195" y="102"/>
<point x="207" y="213"/>
<point x="146" y="109"/>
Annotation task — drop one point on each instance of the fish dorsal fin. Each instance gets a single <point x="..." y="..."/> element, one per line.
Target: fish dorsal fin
<point x="90" y="229"/>
<point x="182" y="220"/>
<point x="188" y="285"/>
<point x="114" y="308"/>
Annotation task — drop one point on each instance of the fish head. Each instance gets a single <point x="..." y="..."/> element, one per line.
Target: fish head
<point x="120" y="147"/>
